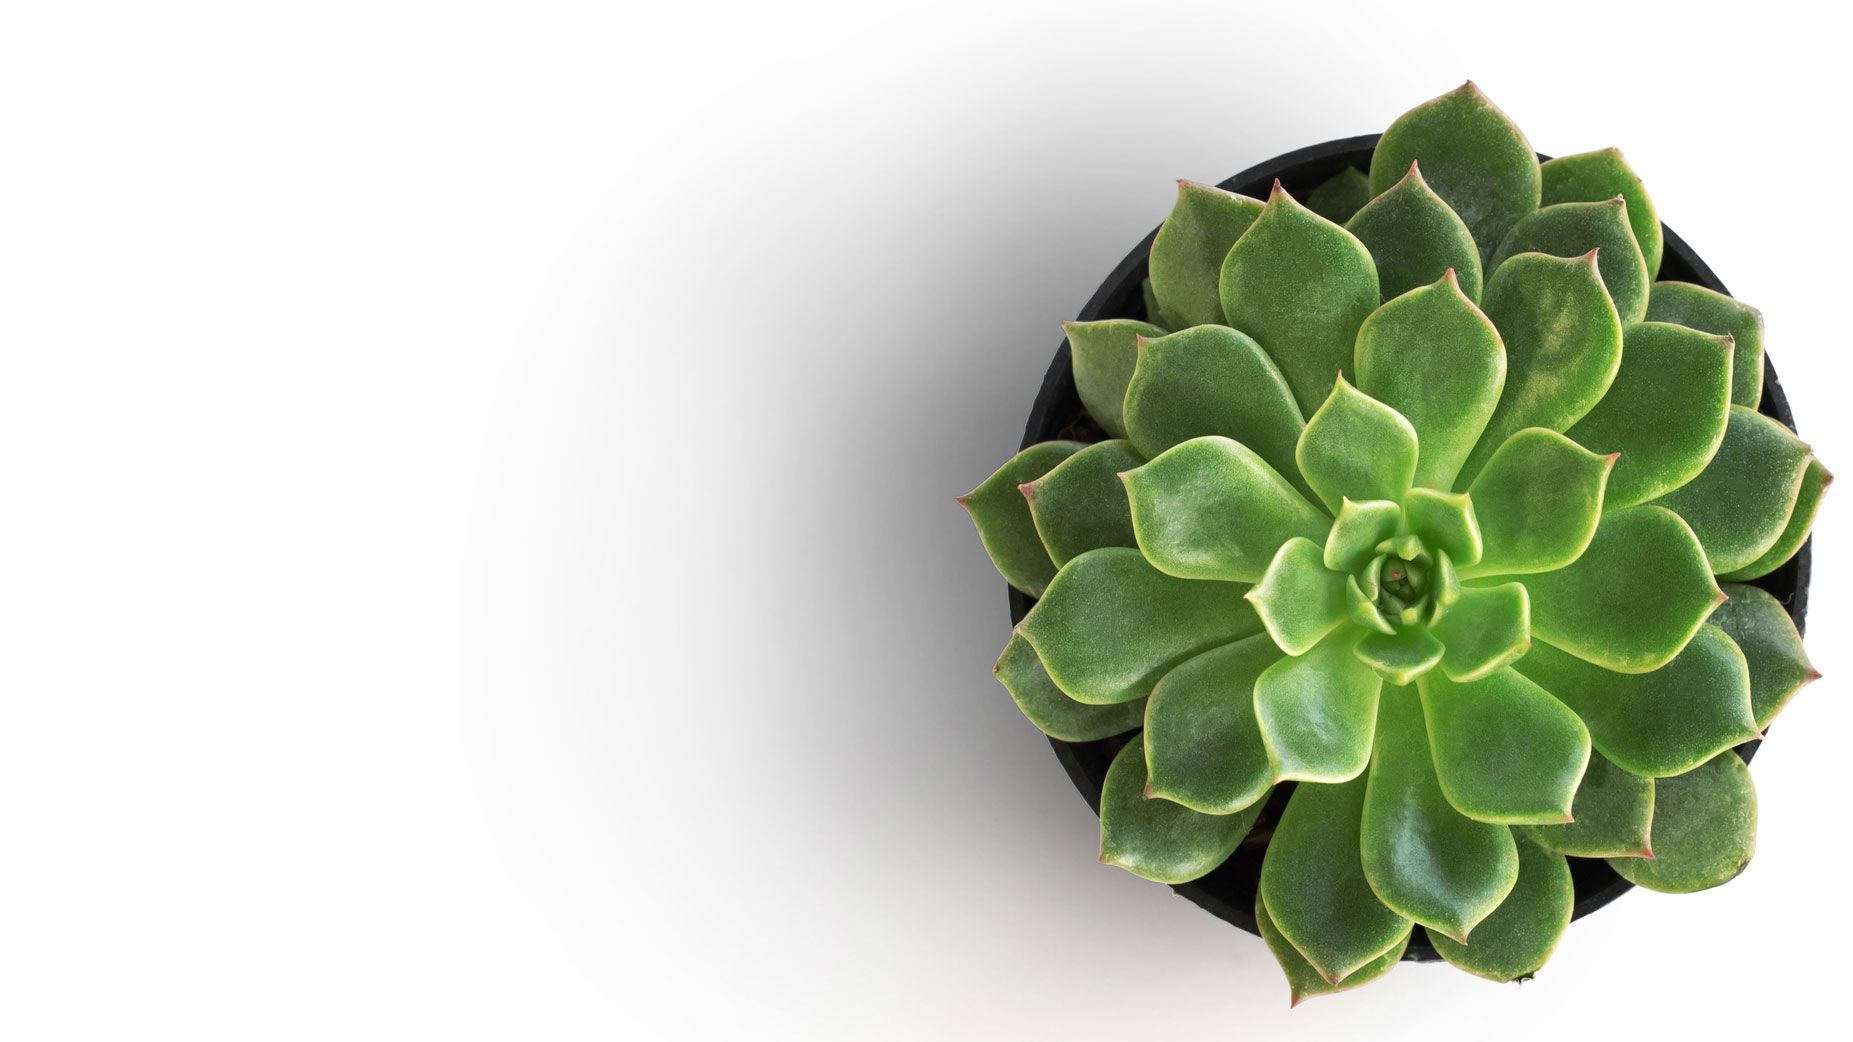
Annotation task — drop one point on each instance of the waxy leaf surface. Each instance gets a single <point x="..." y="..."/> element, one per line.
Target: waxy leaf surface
<point x="1102" y="355"/>
<point x="1313" y="883"/>
<point x="1538" y="502"/>
<point x="1299" y="599"/>
<point x="1203" y="747"/>
<point x="1517" y="939"/>
<point x="1355" y="447"/>
<point x="1593" y="177"/>
<point x="1212" y="509"/>
<point x="1505" y="750"/>
<point x="1704" y="829"/>
<point x="1484" y="630"/>
<point x="1740" y="503"/>
<point x="1340" y="196"/>
<point x="1446" y="521"/>
<point x="1665" y="412"/>
<point x="1614" y="813"/>
<point x="1303" y="980"/>
<point x="1471" y="154"/>
<point x="1415" y="238"/>
<point x="1081" y="505"/>
<point x="1156" y="839"/>
<point x="1696" y="307"/>
<point x="1004" y="523"/>
<point x="1318" y="711"/>
<point x="1795" y="532"/>
<point x="1572" y="230"/>
<point x="1187" y="255"/>
<point x="1054" y="713"/>
<point x="1402" y="656"/>
<point x="1778" y="664"/>
<point x="1360" y="526"/>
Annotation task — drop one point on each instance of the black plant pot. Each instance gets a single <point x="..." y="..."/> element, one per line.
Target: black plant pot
<point x="1229" y="892"/>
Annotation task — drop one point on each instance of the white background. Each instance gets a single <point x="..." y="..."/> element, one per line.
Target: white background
<point x="476" y="508"/>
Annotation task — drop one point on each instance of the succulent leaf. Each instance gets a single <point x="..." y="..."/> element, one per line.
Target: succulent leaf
<point x="1574" y="229"/>
<point x="1740" y="504"/>
<point x="1487" y="628"/>
<point x="1505" y="750"/>
<point x="1002" y="515"/>
<point x="1445" y="521"/>
<point x="1361" y="605"/>
<point x="1111" y="625"/>
<point x="1303" y="980"/>
<point x="1402" y="656"/>
<point x="1203" y="746"/>
<point x="1302" y="286"/>
<point x="1298" y="599"/>
<point x="1696" y="307"/>
<point x="1614" y="813"/>
<point x="1763" y="631"/>
<point x="1433" y="357"/>
<point x="1340" y="196"/>
<point x="1795" y="532"/>
<point x="1187" y="255"/>
<point x="1212" y="509"/>
<point x="1080" y="505"/>
<point x="1318" y="711"/>
<point x="1314" y="887"/>
<point x="1514" y="942"/>
<point x="1054" y="713"/>
<point x="1414" y="238"/>
<point x="1472" y="155"/>
<point x="1360" y="526"/>
<point x="1661" y="723"/>
<point x="1357" y="447"/>
<point x="1156" y="839"/>
<point x="1538" y="502"/>
<point x="1425" y="860"/>
<point x="1665" y="412"/>
<point x="1102" y="355"/>
<point x="1593" y="177"/>
<point x="1153" y="313"/>
<point x="1704" y="830"/>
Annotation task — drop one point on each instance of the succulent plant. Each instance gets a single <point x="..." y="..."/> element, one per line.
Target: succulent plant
<point x="1428" y="499"/>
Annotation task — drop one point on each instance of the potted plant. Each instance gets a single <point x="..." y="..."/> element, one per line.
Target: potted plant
<point x="1429" y="552"/>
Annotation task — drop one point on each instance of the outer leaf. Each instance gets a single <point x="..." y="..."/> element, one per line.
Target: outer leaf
<point x="1563" y="345"/>
<point x="1614" y="813"/>
<point x="1102" y="355"/>
<point x="1157" y="839"/>
<point x="1187" y="255"/>
<point x="1661" y="723"/>
<point x="1779" y="665"/>
<point x="1212" y="509"/>
<point x="1318" y="712"/>
<point x="1665" y="413"/>
<point x="1313" y="885"/>
<point x="1203" y="748"/>
<point x="1153" y="313"/>
<point x="1299" y="601"/>
<point x="1696" y="307"/>
<point x="1081" y="505"/>
<point x="1301" y="285"/>
<point x="1305" y="982"/>
<point x="1538" y="502"/>
<point x="1214" y="380"/>
<point x="1432" y="356"/>
<point x="1357" y="447"/>
<point x="1359" y="528"/>
<point x="1471" y="153"/>
<point x="1414" y="238"/>
<point x="1054" y="713"/>
<point x="1505" y="750"/>
<point x="1593" y="177"/>
<point x="1633" y="599"/>
<point x="1424" y="859"/>
<point x="1002" y="515"/>
<point x="1401" y="656"/>
<point x="1574" y="229"/>
<point x="1740" y="503"/>
<point x="1340" y="196"/>
<point x="1445" y="521"/>
<point x="1704" y="830"/>
<point x="1487" y="629"/>
<point x="1514" y="942"/>
<point x="1795" y="532"/>
<point x="1110" y="624"/>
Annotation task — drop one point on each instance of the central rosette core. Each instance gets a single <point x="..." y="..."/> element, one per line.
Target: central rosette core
<point x="1402" y="587"/>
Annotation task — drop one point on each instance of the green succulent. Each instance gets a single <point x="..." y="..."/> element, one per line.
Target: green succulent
<point x="1429" y="499"/>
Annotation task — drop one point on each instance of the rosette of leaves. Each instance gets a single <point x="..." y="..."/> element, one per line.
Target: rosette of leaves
<point x="1428" y="499"/>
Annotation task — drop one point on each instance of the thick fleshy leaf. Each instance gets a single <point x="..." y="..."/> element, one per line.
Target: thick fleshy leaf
<point x="1187" y="255"/>
<point x="1340" y="196"/>
<point x="1213" y="380"/>
<point x="1471" y="154"/>
<point x="1360" y="526"/>
<point x="1313" y="883"/>
<point x="1574" y="229"/>
<point x="1538" y="502"/>
<point x="1778" y="663"/>
<point x="1505" y="750"/>
<point x="1614" y="811"/>
<point x="1665" y="412"/>
<point x="1203" y="747"/>
<point x="1486" y="629"/>
<point x="1415" y="237"/>
<point x="1111" y="625"/>
<point x="1433" y="357"/>
<point x="1593" y="177"/>
<point x="1153" y="313"/>
<point x="1004" y="523"/>
<point x="1300" y="285"/>
<point x="1661" y="723"/>
<point x="1514" y="942"/>
<point x="1445" y="521"/>
<point x="1212" y="509"/>
<point x="1633" y="598"/>
<point x="1361" y="605"/>
<point x="1563" y="346"/>
<point x="1156" y="839"/>
<point x="1704" y="829"/>
<point x="1054" y="713"/>
<point x="1303" y="981"/>
<point x="1695" y="307"/>
<point x="1318" y="712"/>
<point x="1356" y="447"/>
<point x="1299" y="599"/>
<point x="1426" y="860"/>
<point x="1740" y="503"/>
<point x="1081" y="504"/>
<point x="1795" y="532"/>
<point x="1402" y="656"/>
<point x="1103" y="355"/>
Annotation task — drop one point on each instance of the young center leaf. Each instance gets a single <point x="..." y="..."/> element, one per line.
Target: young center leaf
<point x="1299" y="600"/>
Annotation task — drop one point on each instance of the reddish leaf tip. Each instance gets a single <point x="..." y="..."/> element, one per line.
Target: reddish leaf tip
<point x="1813" y="675"/>
<point x="1140" y="341"/>
<point x="1122" y="474"/>
<point x="964" y="500"/>
<point x="1591" y="255"/>
<point x="1147" y="792"/>
<point x="1028" y="489"/>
